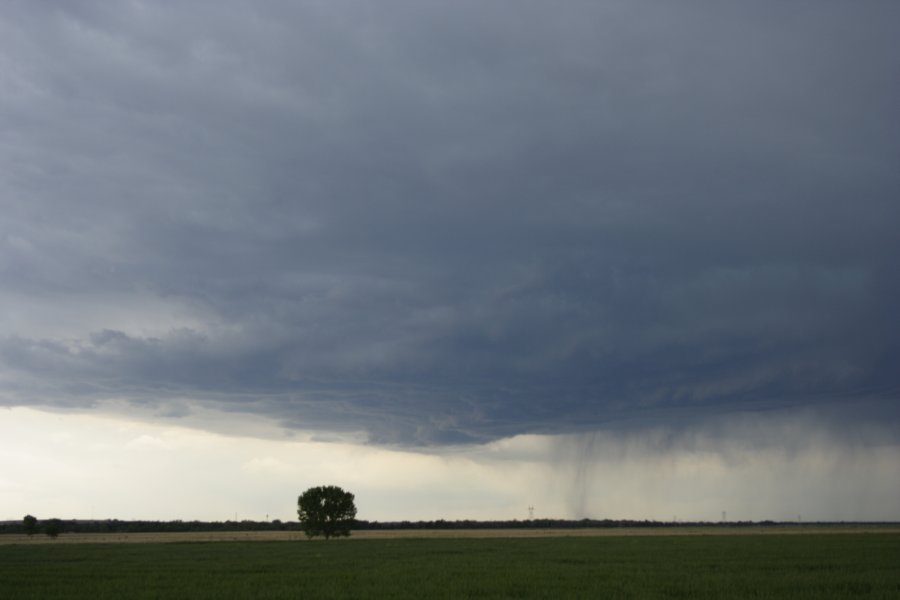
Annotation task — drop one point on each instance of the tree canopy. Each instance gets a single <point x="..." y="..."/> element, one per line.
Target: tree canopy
<point x="53" y="527"/>
<point x="326" y="510"/>
<point x="30" y="524"/>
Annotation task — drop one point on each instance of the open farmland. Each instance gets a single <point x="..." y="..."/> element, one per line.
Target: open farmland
<point x="284" y="536"/>
<point x="646" y="566"/>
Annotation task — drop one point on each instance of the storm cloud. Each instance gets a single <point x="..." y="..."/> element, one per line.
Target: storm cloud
<point x="434" y="223"/>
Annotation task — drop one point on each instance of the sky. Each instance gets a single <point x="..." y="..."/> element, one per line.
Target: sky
<point x="625" y="259"/>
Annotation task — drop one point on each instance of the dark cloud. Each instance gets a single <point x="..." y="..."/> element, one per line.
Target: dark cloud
<point x="450" y="223"/>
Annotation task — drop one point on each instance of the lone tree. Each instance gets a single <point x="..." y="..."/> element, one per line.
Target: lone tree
<point x="326" y="510"/>
<point x="30" y="524"/>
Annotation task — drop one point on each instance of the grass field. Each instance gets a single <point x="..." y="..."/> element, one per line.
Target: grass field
<point x="699" y="566"/>
<point x="375" y="534"/>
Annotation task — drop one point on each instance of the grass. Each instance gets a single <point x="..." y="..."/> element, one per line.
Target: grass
<point x="772" y="566"/>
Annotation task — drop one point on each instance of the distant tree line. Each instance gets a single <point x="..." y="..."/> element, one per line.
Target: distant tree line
<point x="118" y="526"/>
<point x="542" y="524"/>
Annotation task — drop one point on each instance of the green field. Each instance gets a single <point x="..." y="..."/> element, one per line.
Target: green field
<point x="748" y="566"/>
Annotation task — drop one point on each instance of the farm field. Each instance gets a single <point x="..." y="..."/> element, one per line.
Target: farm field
<point x="284" y="536"/>
<point x="681" y="566"/>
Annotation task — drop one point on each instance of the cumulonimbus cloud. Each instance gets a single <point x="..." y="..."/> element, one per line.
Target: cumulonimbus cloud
<point x="441" y="224"/>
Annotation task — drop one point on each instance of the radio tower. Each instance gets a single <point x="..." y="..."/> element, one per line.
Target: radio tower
<point x="530" y="513"/>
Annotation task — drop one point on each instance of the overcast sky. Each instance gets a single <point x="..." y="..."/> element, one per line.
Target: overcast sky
<point x="425" y="230"/>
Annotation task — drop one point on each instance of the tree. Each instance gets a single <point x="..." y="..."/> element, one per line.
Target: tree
<point x="326" y="510"/>
<point x="53" y="527"/>
<point x="30" y="524"/>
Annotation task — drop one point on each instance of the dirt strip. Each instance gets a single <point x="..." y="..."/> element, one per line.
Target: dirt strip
<point x="282" y="536"/>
